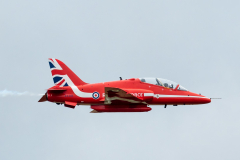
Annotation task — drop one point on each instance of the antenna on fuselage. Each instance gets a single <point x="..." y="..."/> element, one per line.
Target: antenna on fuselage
<point x="120" y="78"/>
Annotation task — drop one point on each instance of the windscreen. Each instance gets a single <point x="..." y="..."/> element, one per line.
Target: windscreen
<point x="163" y="82"/>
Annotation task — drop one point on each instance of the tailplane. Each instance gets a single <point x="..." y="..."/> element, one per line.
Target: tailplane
<point x="62" y="75"/>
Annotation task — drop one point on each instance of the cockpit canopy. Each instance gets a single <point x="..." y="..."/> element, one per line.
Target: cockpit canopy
<point x="163" y="82"/>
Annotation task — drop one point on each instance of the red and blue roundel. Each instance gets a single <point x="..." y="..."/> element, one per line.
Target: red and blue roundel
<point x="95" y="95"/>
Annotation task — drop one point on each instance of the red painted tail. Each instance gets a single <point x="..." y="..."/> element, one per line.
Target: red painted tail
<point x="62" y="75"/>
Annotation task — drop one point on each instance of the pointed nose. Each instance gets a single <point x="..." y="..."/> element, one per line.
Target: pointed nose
<point x="200" y="99"/>
<point x="206" y="100"/>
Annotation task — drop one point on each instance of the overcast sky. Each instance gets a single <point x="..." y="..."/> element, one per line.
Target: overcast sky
<point x="193" y="42"/>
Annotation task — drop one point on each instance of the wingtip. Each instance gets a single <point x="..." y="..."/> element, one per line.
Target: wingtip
<point x="94" y="111"/>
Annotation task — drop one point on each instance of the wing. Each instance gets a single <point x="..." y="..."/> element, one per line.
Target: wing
<point x="127" y="96"/>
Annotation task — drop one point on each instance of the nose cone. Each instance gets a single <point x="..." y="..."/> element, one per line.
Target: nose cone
<point x="206" y="100"/>
<point x="199" y="99"/>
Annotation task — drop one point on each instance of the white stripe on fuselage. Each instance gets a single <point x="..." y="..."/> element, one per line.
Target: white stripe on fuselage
<point x="175" y="96"/>
<point x="75" y="88"/>
<point x="148" y="95"/>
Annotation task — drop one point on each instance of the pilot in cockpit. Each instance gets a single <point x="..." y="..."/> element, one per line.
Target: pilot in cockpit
<point x="163" y="82"/>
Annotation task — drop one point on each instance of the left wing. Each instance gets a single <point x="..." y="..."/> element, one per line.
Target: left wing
<point x="127" y="96"/>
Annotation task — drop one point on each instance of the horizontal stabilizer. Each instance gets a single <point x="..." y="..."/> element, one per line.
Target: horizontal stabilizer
<point x="57" y="89"/>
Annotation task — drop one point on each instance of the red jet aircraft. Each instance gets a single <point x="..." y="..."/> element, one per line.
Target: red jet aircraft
<point x="130" y="95"/>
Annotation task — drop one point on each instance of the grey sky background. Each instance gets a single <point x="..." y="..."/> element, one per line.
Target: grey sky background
<point x="195" y="43"/>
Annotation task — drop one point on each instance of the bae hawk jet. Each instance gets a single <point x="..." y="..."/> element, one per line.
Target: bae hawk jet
<point x="130" y="95"/>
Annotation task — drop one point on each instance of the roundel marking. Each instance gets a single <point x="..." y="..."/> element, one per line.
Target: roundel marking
<point x="95" y="95"/>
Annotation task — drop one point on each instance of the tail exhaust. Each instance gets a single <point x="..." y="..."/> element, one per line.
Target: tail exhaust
<point x="44" y="98"/>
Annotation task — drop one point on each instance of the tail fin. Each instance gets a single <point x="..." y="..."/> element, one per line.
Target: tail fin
<point x="62" y="75"/>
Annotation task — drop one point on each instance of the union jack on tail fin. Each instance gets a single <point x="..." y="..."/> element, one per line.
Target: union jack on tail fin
<point x="62" y="75"/>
